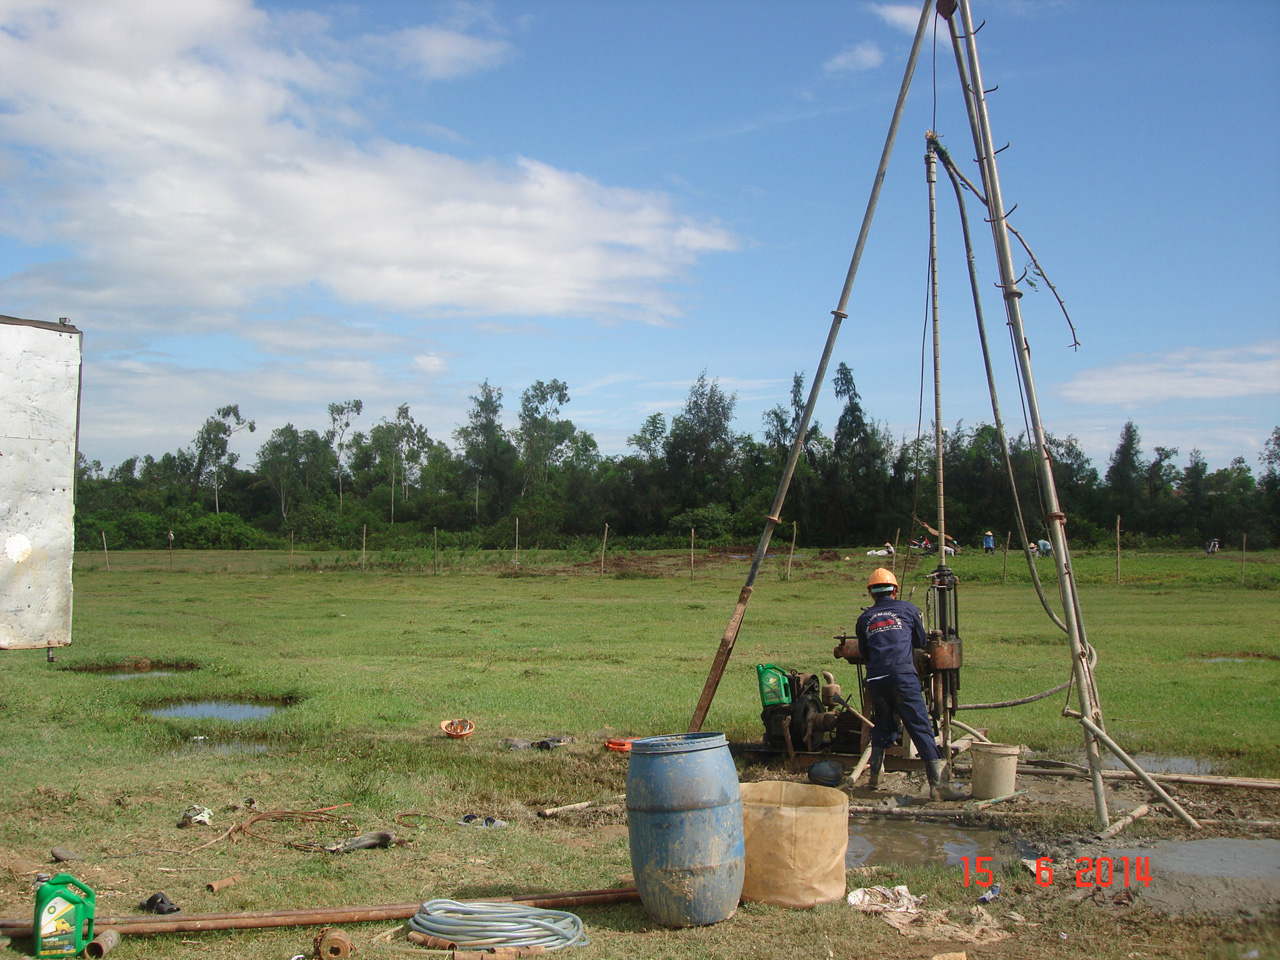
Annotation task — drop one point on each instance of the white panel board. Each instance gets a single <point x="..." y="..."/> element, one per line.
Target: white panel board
<point x="39" y="414"/>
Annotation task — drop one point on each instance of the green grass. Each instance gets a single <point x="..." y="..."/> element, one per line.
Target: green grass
<point x="367" y="662"/>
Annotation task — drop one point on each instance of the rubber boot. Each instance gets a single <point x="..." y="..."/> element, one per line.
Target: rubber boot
<point x="939" y="785"/>
<point x="877" y="764"/>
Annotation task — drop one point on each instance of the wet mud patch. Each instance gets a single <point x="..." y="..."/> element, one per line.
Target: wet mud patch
<point x="1217" y="876"/>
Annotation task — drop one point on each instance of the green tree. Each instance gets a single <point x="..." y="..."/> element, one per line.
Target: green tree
<point x="398" y="446"/>
<point x="1126" y="476"/>
<point x="340" y="418"/>
<point x="701" y="447"/>
<point x="543" y="435"/>
<point x="295" y="466"/>
<point x="1269" y="484"/>
<point x="211" y="458"/>
<point x="491" y="458"/>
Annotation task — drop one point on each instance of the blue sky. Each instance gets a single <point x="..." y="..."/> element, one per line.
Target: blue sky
<point x="287" y="204"/>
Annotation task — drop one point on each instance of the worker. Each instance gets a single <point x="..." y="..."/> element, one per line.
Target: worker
<point x="988" y="542"/>
<point x="889" y="632"/>
<point x="1045" y="548"/>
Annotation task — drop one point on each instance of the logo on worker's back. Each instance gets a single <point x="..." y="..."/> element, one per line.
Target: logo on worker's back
<point x="886" y="622"/>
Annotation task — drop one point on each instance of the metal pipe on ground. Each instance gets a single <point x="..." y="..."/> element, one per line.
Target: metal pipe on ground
<point x="318" y="916"/>
<point x="102" y="944"/>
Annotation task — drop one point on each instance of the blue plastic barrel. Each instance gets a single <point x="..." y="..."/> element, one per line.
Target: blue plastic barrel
<point x="684" y="819"/>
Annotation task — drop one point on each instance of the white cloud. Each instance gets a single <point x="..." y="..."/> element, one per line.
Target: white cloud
<point x="443" y="54"/>
<point x="1193" y="374"/>
<point x="865" y="56"/>
<point x="190" y="154"/>
<point x="431" y="364"/>
<point x="899" y="16"/>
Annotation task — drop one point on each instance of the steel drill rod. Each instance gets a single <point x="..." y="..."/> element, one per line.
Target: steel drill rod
<point x="730" y="637"/>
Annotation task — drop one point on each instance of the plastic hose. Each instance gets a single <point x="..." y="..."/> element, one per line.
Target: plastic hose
<point x="498" y="925"/>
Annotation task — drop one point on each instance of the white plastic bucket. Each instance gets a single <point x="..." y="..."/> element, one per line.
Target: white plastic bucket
<point x="796" y="837"/>
<point x="995" y="770"/>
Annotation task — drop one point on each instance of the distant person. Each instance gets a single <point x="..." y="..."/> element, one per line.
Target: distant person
<point x="890" y="631"/>
<point x="1212" y="546"/>
<point x="988" y="542"/>
<point x="1045" y="548"/>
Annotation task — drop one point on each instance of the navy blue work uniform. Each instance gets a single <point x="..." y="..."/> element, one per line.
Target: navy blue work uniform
<point x="888" y="632"/>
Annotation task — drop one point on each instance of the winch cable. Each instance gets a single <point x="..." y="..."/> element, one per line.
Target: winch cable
<point x="1000" y="704"/>
<point x="1092" y="656"/>
<point x="956" y="178"/>
<point x="949" y="166"/>
<point x="485" y="925"/>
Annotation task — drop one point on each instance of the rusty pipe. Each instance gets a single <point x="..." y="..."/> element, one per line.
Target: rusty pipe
<point x="429" y="941"/>
<point x="316" y="916"/>
<point x="222" y="884"/>
<point x="106" y="941"/>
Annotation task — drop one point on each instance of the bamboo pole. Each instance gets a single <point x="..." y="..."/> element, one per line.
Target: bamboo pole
<point x="1244" y="548"/>
<point x="364" y="535"/>
<point x="603" y="543"/>
<point x="105" y="555"/>
<point x="1141" y="774"/>
<point x="864" y="761"/>
<point x="1132" y="815"/>
<point x="838" y="315"/>
<point x="1204" y="780"/>
<point x="435" y="548"/>
<point x="979" y="805"/>
<point x="517" y="541"/>
<point x="1008" y="534"/>
<point x="691" y="553"/>
<point x="1055" y="519"/>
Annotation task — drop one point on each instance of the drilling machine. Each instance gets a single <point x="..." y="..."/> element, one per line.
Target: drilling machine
<point x="806" y="713"/>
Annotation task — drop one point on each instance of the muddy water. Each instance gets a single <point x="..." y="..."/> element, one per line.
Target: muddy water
<point x="874" y="841"/>
<point x="1222" y="857"/>
<point x="215" y="710"/>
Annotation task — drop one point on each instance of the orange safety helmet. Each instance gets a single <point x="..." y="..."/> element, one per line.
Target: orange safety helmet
<point x="882" y="578"/>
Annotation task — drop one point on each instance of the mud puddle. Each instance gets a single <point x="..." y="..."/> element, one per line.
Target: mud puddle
<point x="873" y="842"/>
<point x="215" y="710"/>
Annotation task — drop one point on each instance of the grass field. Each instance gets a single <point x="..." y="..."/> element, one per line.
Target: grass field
<point x="364" y="663"/>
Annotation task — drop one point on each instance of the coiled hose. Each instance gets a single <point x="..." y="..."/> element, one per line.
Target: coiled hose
<point x="498" y="925"/>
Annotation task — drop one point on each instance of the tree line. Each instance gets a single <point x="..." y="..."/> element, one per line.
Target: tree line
<point x="394" y="485"/>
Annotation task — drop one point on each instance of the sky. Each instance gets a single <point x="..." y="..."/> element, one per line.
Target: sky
<point x="288" y="204"/>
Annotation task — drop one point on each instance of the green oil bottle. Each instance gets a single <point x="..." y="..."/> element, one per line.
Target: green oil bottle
<point x="64" y="906"/>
